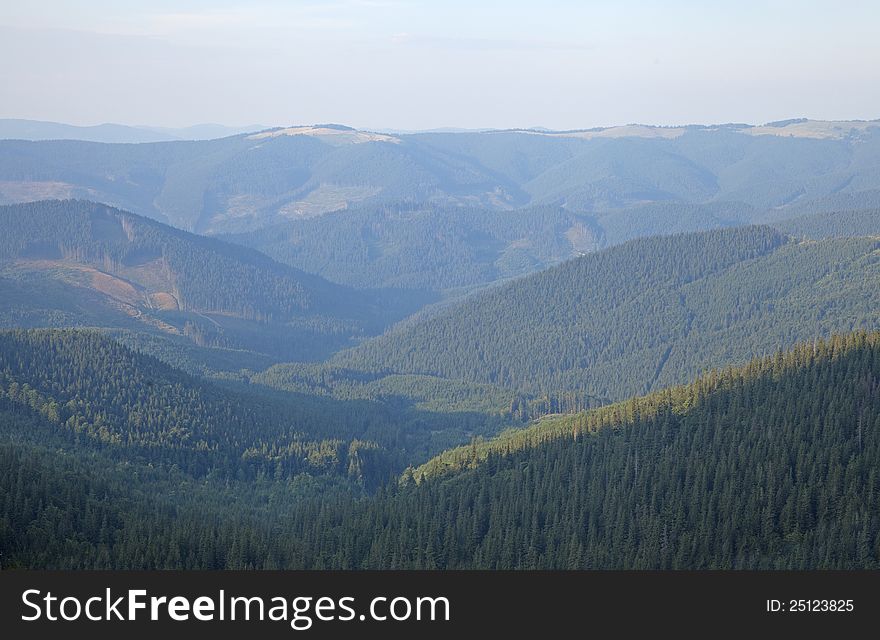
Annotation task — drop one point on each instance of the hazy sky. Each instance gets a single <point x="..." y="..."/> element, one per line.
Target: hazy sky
<point x="418" y="64"/>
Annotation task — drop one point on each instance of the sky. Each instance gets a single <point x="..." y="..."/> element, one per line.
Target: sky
<point x="409" y="65"/>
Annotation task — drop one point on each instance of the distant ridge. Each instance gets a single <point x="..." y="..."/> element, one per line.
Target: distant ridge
<point x="246" y="182"/>
<point x="20" y="129"/>
<point x="12" y="129"/>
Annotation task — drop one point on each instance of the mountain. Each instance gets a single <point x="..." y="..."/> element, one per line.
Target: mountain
<point x="640" y="316"/>
<point x="770" y="466"/>
<point x="839" y="201"/>
<point x="457" y="249"/>
<point x="443" y="349"/>
<point x="235" y="183"/>
<point x="13" y="129"/>
<point x="75" y="263"/>
<point x="17" y="129"/>
<point x="251" y="181"/>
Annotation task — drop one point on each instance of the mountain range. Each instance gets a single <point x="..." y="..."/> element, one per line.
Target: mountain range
<point x="732" y="173"/>
<point x="18" y="129"/>
<point x="321" y="347"/>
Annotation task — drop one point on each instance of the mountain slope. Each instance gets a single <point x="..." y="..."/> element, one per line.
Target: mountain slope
<point x="240" y="182"/>
<point x="646" y="314"/>
<point x="72" y="263"/>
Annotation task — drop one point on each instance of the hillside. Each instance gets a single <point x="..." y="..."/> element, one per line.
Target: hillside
<point x="771" y="466"/>
<point x="74" y="263"/>
<point x="643" y="315"/>
<point x="236" y="183"/>
<point x="103" y="449"/>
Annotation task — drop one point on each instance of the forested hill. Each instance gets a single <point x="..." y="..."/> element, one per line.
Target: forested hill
<point x="97" y="395"/>
<point x="201" y="274"/>
<point x="771" y="466"/>
<point x="148" y="275"/>
<point x="647" y="314"/>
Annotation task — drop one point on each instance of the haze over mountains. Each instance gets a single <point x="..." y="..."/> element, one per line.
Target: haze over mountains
<point x="731" y="173"/>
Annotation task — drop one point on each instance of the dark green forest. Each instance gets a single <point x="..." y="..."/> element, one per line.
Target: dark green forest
<point x="101" y="396"/>
<point x="772" y="465"/>
<point x="102" y="443"/>
<point x="205" y="274"/>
